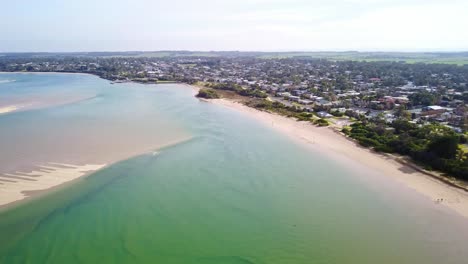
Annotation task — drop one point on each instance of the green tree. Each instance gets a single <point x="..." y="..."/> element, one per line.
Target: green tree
<point x="445" y="146"/>
<point x="402" y="113"/>
<point x="424" y="98"/>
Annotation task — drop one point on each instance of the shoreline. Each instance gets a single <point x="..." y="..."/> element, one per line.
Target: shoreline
<point x="322" y="139"/>
<point x="327" y="141"/>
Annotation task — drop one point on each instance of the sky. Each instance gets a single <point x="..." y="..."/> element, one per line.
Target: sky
<point x="244" y="25"/>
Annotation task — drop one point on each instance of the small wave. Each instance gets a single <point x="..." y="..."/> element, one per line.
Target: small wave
<point x="7" y="81"/>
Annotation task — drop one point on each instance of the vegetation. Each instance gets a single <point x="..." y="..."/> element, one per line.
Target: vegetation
<point x="287" y="111"/>
<point x="321" y="122"/>
<point x="276" y="107"/>
<point x="238" y="89"/>
<point x="424" y="98"/>
<point x="458" y="58"/>
<point x="207" y="94"/>
<point x="434" y="146"/>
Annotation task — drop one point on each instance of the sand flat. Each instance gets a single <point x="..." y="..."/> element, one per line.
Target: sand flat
<point x="340" y="148"/>
<point x="20" y="185"/>
<point x="11" y="191"/>
<point x="8" y="109"/>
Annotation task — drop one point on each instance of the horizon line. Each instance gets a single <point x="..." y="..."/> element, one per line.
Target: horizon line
<point x="250" y="51"/>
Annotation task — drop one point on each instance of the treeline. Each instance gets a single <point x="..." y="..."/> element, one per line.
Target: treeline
<point x="238" y="89"/>
<point x="434" y="146"/>
<point x="288" y="111"/>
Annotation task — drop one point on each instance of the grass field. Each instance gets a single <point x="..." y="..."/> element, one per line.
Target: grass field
<point x="460" y="58"/>
<point x="457" y="58"/>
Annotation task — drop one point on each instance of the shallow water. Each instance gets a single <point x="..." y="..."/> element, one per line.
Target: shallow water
<point x="236" y="192"/>
<point x="107" y="123"/>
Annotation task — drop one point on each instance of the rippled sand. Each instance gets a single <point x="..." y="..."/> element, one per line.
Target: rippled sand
<point x="14" y="186"/>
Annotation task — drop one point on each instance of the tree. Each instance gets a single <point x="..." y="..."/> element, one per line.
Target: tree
<point x="444" y="146"/>
<point x="402" y="113"/>
<point x="402" y="125"/>
<point x="424" y="98"/>
<point x="207" y="93"/>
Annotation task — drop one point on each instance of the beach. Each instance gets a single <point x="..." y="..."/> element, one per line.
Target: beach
<point x="341" y="149"/>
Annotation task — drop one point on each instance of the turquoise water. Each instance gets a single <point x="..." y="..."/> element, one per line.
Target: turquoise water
<point x="236" y="192"/>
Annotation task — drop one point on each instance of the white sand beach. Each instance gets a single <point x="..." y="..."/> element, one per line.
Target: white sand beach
<point x="332" y="144"/>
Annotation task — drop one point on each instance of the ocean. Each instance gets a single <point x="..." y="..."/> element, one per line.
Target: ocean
<point x="196" y="183"/>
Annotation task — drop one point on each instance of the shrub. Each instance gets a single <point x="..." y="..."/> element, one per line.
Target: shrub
<point x="321" y="122"/>
<point x="207" y="93"/>
<point x="346" y="131"/>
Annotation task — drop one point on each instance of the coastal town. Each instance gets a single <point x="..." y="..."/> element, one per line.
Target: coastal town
<point x="430" y="93"/>
<point x="418" y="110"/>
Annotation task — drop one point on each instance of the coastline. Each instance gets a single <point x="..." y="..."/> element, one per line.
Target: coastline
<point x="322" y="139"/>
<point x="327" y="141"/>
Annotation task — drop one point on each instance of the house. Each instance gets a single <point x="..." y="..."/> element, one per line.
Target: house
<point x="324" y="114"/>
<point x="284" y="94"/>
<point x="434" y="108"/>
<point x="323" y="102"/>
<point x="433" y="111"/>
<point x="294" y="98"/>
<point x="305" y="101"/>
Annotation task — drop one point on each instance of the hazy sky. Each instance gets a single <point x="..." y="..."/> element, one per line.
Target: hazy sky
<point x="264" y="25"/>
